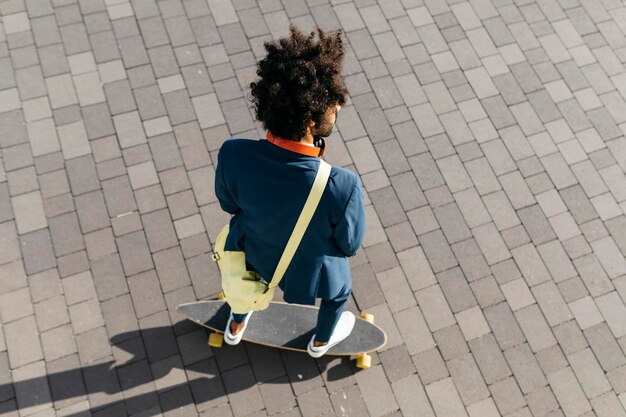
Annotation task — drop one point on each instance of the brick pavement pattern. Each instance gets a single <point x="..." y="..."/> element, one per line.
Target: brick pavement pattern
<point x="489" y="135"/>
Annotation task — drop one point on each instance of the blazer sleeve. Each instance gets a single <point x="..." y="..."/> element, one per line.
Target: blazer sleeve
<point x="222" y="191"/>
<point x="350" y="230"/>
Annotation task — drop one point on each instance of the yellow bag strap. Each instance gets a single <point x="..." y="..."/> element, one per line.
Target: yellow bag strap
<point x="321" y="178"/>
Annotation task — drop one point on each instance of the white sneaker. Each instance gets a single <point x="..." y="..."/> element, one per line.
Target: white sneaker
<point x="342" y="330"/>
<point x="228" y="337"/>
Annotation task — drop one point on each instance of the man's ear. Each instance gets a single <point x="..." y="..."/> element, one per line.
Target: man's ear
<point x="310" y="125"/>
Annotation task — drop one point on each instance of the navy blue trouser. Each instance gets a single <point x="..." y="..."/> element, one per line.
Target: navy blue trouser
<point x="327" y="318"/>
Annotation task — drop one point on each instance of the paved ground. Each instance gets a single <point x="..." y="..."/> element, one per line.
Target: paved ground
<point x="490" y="139"/>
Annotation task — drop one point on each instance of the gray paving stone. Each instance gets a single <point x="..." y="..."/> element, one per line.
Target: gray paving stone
<point x="370" y="384"/>
<point x="506" y="271"/>
<point x="208" y="392"/>
<point x="119" y="316"/>
<point x="525" y="368"/>
<point x="179" y="108"/>
<point x="570" y="337"/>
<point x="435" y="308"/>
<point x="22" y="181"/>
<point x="134" y="253"/>
<point x="37" y="251"/>
<point x="150" y="198"/>
<point x="551" y="360"/>
<point x="97" y="383"/>
<point x="111" y="169"/>
<point x="605" y="347"/>
<point x="487" y="291"/>
<point x="65" y="233"/>
<point x="536" y="224"/>
<point x="82" y="175"/>
<point x="131" y="376"/>
<point x="491" y="243"/>
<point x="196" y="156"/>
<point x="136" y="155"/>
<point x="86" y="316"/>
<point x="124" y="26"/>
<point x="509" y="89"/>
<point x="426" y="171"/>
<point x="507" y="395"/>
<point x="430" y="366"/>
<point x="73" y="263"/>
<point x="573" y="289"/>
<point x="145" y="292"/>
<point x="607" y="404"/>
<point x="504" y="326"/>
<point x="153" y="31"/>
<point x="165" y="152"/>
<point x="609" y="256"/>
<point x="126" y="224"/>
<point x="119" y="97"/>
<point x="604" y="123"/>
<point x="75" y="38"/>
<point x="452" y="223"/>
<point x="171" y="269"/>
<point x="118" y="196"/>
<point x="445" y="398"/>
<point x="235" y="381"/>
<point x="616" y="378"/>
<point x="437" y="251"/>
<point x="542" y="401"/>
<point x="17" y="157"/>
<point x="197" y="80"/>
<point x="381" y="257"/>
<point x="91" y="211"/>
<point x="467" y="379"/>
<point x="498" y="157"/>
<point x="22" y="341"/>
<point x="414" y="331"/>
<point x="611" y="307"/>
<point x="93" y="345"/>
<point x="387" y="206"/>
<point x="456" y="290"/>
<point x="131" y="49"/>
<point x="278" y="395"/>
<point x="349" y="399"/>
<point x="409" y="138"/>
<point x="451" y="342"/>
<point x="593" y="275"/>
<point x="16" y="305"/>
<point x="396" y="289"/>
<point x="58" y="342"/>
<point x="36" y="393"/>
<point x="589" y="374"/>
<point x="96" y="22"/>
<point x="501" y="210"/>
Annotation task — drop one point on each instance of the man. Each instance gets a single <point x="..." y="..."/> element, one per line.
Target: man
<point x="264" y="184"/>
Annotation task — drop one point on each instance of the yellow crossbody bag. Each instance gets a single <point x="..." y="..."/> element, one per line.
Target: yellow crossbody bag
<point x="245" y="290"/>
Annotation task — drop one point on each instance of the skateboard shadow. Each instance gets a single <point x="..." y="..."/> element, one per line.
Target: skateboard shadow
<point x="157" y="355"/>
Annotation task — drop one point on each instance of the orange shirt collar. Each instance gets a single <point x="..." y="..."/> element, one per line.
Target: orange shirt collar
<point x="297" y="147"/>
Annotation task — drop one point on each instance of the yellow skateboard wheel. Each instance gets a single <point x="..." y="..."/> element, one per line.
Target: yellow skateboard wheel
<point x="216" y="340"/>
<point x="221" y="296"/>
<point x="364" y="361"/>
<point x="367" y="317"/>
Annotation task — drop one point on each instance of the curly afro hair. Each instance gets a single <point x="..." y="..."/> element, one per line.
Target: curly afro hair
<point x="299" y="80"/>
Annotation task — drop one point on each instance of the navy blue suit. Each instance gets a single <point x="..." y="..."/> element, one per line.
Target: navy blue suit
<point x="265" y="186"/>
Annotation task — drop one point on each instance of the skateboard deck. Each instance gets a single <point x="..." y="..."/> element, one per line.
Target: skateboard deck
<point x="285" y="326"/>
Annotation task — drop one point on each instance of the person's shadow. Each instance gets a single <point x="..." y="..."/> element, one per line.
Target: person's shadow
<point x="141" y="382"/>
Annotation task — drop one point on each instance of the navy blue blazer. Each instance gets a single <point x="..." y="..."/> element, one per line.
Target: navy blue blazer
<point x="265" y="186"/>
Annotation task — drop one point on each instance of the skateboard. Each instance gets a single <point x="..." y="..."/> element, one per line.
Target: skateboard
<point x="286" y="326"/>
